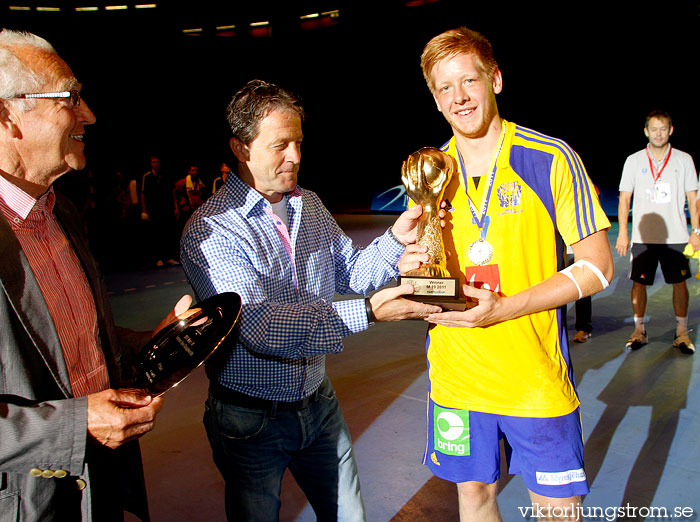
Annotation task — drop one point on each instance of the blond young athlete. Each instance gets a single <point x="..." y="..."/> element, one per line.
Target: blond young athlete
<point x="501" y="369"/>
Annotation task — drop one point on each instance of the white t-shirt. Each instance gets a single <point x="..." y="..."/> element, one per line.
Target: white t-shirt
<point x="280" y="210"/>
<point x="658" y="207"/>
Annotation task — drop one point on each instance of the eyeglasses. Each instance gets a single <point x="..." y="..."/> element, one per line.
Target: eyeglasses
<point x="74" y="96"/>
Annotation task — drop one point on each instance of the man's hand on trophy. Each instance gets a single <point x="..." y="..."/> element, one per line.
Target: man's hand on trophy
<point x="413" y="257"/>
<point x="389" y="305"/>
<point x="406" y="226"/>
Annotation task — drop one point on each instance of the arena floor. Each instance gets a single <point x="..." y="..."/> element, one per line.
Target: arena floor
<point x="640" y="413"/>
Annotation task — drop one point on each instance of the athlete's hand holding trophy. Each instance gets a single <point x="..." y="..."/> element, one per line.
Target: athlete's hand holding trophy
<point x="425" y="174"/>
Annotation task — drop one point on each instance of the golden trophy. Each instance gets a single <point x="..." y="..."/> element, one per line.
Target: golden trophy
<point x="426" y="174"/>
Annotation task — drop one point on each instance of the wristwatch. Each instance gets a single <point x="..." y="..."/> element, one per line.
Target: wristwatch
<point x="370" y="313"/>
<point x="696" y="231"/>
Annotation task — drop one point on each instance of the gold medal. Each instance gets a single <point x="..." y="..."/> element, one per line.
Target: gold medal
<point x="480" y="252"/>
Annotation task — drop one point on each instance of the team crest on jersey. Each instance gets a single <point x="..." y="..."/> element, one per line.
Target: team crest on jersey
<point x="509" y="194"/>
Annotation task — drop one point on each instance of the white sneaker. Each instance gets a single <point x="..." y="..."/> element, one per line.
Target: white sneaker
<point x="637" y="340"/>
<point x="582" y="336"/>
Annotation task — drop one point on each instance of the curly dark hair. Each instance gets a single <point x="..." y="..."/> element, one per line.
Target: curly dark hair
<point x="253" y="102"/>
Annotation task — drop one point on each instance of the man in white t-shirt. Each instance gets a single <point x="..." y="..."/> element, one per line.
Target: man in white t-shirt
<point x="662" y="179"/>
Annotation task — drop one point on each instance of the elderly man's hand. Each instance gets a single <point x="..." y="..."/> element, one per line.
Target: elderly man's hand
<point x="118" y="416"/>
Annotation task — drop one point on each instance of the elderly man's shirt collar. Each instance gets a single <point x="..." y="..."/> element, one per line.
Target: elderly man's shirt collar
<point x="23" y="210"/>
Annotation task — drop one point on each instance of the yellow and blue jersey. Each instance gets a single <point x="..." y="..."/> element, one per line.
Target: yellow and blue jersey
<point x="541" y="200"/>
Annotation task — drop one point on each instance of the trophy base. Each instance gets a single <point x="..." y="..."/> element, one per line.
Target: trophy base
<point x="440" y="291"/>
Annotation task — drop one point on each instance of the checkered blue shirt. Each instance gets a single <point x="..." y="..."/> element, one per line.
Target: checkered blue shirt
<point x="288" y="321"/>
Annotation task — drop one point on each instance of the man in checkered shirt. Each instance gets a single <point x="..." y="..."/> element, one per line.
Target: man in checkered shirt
<point x="271" y="406"/>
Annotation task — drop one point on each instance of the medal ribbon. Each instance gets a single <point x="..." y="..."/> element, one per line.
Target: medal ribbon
<point x="655" y="175"/>
<point x="481" y="220"/>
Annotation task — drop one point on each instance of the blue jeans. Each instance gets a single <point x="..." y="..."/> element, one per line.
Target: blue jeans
<point x="253" y="448"/>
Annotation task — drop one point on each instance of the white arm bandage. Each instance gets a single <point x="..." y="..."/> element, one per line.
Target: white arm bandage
<point x="587" y="277"/>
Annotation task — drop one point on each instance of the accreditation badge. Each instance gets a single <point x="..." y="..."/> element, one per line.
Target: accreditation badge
<point x="662" y="193"/>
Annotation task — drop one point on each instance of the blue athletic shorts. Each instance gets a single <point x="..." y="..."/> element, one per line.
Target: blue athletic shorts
<point x="548" y="452"/>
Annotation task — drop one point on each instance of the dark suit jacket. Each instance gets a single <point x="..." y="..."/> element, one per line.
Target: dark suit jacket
<point x="43" y="428"/>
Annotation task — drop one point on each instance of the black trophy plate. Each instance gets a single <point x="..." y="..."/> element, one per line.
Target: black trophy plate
<point x="174" y="352"/>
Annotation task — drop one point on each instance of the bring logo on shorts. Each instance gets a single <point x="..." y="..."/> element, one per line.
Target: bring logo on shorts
<point x="451" y="431"/>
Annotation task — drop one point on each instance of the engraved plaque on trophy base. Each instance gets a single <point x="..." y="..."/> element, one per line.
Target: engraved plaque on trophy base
<point x="440" y="291"/>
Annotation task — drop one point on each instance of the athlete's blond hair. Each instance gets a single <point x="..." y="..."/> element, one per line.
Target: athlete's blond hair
<point x="454" y="42"/>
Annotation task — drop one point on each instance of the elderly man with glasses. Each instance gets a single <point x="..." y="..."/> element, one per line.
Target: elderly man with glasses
<point x="67" y="448"/>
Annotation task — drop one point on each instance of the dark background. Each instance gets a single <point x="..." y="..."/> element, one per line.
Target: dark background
<point x="585" y="72"/>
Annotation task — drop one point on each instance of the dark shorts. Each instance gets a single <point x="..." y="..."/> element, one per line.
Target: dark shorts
<point x="646" y="257"/>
